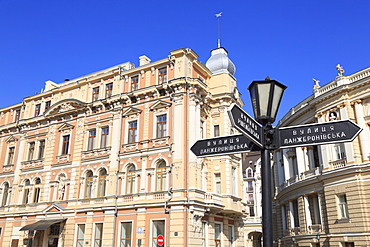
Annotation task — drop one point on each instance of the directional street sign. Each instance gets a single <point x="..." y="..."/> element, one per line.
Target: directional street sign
<point x="246" y="124"/>
<point x="223" y="145"/>
<point x="317" y="134"/>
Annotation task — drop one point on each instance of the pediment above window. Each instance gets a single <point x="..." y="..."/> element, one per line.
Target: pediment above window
<point x="65" y="106"/>
<point x="131" y="111"/>
<point x="11" y="139"/>
<point x="65" y="127"/>
<point x="160" y="105"/>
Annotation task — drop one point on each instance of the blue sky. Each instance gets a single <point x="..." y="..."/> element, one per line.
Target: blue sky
<point x="291" y="41"/>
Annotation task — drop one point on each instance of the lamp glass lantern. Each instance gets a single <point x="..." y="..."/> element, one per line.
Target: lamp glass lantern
<point x="266" y="97"/>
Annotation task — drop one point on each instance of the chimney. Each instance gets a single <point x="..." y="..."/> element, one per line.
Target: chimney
<point x="144" y="60"/>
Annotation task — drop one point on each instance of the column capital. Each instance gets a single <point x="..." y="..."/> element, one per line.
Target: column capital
<point x="356" y="102"/>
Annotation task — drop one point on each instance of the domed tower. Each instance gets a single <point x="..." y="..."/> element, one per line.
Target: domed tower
<point x="223" y="70"/>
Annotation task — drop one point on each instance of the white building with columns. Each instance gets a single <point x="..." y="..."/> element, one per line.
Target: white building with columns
<point x="321" y="192"/>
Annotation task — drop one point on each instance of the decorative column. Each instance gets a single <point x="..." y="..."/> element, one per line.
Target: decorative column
<point x="364" y="135"/>
<point x="320" y="210"/>
<point x="323" y="149"/>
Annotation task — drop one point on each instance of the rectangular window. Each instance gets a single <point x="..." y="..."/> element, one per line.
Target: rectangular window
<point x="41" y="149"/>
<point x="26" y="194"/>
<point x="251" y="212"/>
<point x="343" y="206"/>
<point x="91" y="139"/>
<point x="218" y="231"/>
<point x="218" y="183"/>
<point x="296" y="213"/>
<point x="17" y="115"/>
<point x="132" y="132"/>
<point x="250" y="186"/>
<point x="47" y="105"/>
<point x="339" y="151"/>
<point x="204" y="234"/>
<point x="80" y="235"/>
<point x="37" y="109"/>
<point x="104" y="137"/>
<point x="216" y="130"/>
<point x="36" y="195"/>
<point x="162" y="75"/>
<point x="31" y="150"/>
<point x="126" y="232"/>
<point x="251" y="198"/>
<point x="313" y="205"/>
<point x="134" y="83"/>
<point x="11" y="156"/>
<point x="95" y="94"/>
<point x="158" y="230"/>
<point x="161" y="126"/>
<point x="54" y="229"/>
<point x="109" y="90"/>
<point x="230" y="235"/>
<point x="233" y="181"/>
<point x="65" y="145"/>
<point x="98" y="235"/>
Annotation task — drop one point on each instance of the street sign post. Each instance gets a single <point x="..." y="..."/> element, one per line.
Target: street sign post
<point x="246" y="124"/>
<point x="223" y="145"/>
<point x="318" y="133"/>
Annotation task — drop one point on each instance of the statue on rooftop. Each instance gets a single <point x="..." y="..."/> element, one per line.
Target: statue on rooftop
<point x="340" y="70"/>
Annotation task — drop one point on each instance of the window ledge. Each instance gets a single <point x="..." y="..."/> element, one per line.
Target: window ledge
<point x="343" y="220"/>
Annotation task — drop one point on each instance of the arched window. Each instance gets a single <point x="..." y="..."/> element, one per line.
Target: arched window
<point x="37" y="190"/>
<point x="102" y="183"/>
<point x="26" y="191"/>
<point x="249" y="173"/>
<point x="4" y="200"/>
<point x="130" y="179"/>
<point x="161" y="176"/>
<point x="88" y="184"/>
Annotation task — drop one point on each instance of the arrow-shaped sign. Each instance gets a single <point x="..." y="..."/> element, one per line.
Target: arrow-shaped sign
<point x="246" y="124"/>
<point x="318" y="134"/>
<point x="223" y="145"/>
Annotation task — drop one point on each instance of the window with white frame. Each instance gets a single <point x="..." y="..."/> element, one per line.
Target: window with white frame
<point x="65" y="144"/>
<point x="231" y="235"/>
<point x="158" y="229"/>
<point x="233" y="181"/>
<point x="162" y="75"/>
<point x="95" y="94"/>
<point x="89" y="180"/>
<point x="161" y="126"/>
<point x="17" y="115"/>
<point x="130" y="179"/>
<point x="217" y="183"/>
<point x="37" y="190"/>
<point x="37" y="109"/>
<point x="204" y="234"/>
<point x="132" y="131"/>
<point x="80" y="235"/>
<point x="161" y="176"/>
<point x="343" y="206"/>
<point x="98" y="236"/>
<point x="134" y="83"/>
<point x="339" y="151"/>
<point x="31" y="150"/>
<point x="108" y="90"/>
<point x="47" y="105"/>
<point x="4" y="200"/>
<point x="295" y="213"/>
<point x="249" y="172"/>
<point x="11" y="156"/>
<point x="216" y="130"/>
<point x="126" y="234"/>
<point x="313" y="205"/>
<point x="102" y="182"/>
<point x="91" y="139"/>
<point x="104" y="140"/>
<point x="26" y="191"/>
<point x="250" y="186"/>
<point x="218" y="231"/>
<point x="41" y="150"/>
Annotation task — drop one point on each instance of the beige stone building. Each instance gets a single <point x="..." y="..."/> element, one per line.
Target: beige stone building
<point x="321" y="191"/>
<point x="104" y="160"/>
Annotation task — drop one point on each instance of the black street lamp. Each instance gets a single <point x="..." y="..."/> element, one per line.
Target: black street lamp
<point x="266" y="97"/>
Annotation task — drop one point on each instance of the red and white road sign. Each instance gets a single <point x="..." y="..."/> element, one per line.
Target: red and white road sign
<point x="160" y="240"/>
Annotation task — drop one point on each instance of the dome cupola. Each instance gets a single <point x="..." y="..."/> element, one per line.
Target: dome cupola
<point x="219" y="62"/>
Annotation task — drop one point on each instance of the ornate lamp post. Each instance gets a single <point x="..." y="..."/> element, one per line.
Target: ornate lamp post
<point x="266" y="97"/>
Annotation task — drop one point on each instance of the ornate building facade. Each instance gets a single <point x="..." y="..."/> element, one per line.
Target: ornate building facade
<point x="104" y="160"/>
<point x="321" y="191"/>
